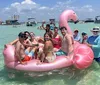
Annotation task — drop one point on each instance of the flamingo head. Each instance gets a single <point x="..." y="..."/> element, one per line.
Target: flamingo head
<point x="65" y="17"/>
<point x="72" y="16"/>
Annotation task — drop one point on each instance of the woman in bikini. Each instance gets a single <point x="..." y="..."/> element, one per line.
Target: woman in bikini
<point x="48" y="53"/>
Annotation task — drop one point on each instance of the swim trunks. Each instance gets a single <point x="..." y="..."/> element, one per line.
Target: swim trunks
<point x="97" y="59"/>
<point x="26" y="58"/>
<point x="60" y="52"/>
<point x="31" y="54"/>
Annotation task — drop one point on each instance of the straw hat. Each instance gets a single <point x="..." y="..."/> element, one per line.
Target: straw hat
<point x="96" y="29"/>
<point x="76" y="31"/>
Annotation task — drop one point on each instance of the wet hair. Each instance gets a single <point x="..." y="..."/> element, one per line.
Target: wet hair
<point x="61" y="28"/>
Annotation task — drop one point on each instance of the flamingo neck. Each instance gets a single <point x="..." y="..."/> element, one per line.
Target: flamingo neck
<point x="64" y="23"/>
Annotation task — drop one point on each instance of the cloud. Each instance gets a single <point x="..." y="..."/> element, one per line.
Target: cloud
<point x="28" y="2"/>
<point x="26" y="5"/>
<point x="43" y="8"/>
<point x="87" y="8"/>
<point x="41" y="12"/>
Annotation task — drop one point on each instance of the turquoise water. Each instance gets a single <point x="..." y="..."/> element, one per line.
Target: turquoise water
<point x="69" y="76"/>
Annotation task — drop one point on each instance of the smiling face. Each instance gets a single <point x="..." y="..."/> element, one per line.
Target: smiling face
<point x="95" y="33"/>
<point x="46" y="37"/>
<point x="63" y="31"/>
<point x="32" y="34"/>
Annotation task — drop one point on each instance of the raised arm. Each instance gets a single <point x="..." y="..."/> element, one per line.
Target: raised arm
<point x="14" y="42"/>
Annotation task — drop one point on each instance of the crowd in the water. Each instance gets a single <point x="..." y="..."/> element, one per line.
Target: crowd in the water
<point x="92" y="41"/>
<point x="52" y="44"/>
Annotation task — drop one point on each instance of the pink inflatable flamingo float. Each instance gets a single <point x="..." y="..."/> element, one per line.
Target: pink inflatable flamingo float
<point x="83" y="55"/>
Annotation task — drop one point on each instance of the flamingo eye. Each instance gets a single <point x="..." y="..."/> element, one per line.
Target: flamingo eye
<point x="73" y="13"/>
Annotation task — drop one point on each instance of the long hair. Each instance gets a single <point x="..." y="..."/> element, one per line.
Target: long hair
<point x="48" y="35"/>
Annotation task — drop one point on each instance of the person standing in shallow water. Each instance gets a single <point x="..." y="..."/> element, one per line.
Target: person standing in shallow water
<point x="94" y="42"/>
<point x="67" y="47"/>
<point x="47" y="29"/>
<point x="76" y="36"/>
<point x="84" y="37"/>
<point x="92" y="38"/>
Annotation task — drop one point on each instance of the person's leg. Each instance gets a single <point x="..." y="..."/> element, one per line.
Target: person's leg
<point x="32" y="53"/>
<point x="27" y="51"/>
<point x="42" y="57"/>
<point x="39" y="52"/>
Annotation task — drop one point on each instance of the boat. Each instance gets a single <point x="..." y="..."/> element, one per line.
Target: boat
<point x="31" y="22"/>
<point x="12" y="22"/>
<point x="52" y="23"/>
<point x="83" y="55"/>
<point x="88" y="20"/>
<point x="97" y="21"/>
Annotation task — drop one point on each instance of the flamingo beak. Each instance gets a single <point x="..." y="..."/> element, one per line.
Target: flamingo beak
<point x="76" y="21"/>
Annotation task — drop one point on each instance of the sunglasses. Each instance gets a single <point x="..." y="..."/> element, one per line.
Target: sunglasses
<point x="23" y="36"/>
<point x="95" y="31"/>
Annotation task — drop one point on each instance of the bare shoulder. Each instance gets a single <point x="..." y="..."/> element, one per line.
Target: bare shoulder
<point x="68" y="36"/>
<point x="17" y="44"/>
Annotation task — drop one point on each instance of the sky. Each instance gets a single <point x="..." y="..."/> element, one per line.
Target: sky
<point x="46" y="9"/>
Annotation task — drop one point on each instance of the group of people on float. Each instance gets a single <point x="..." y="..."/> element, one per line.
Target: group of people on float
<point x="47" y="48"/>
<point x="28" y="46"/>
<point x="92" y="41"/>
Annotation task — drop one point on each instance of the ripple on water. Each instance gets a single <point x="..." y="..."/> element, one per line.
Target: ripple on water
<point x="70" y="76"/>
